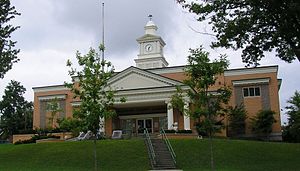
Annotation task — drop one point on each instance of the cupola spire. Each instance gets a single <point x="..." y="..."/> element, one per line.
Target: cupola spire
<point x="150" y="27"/>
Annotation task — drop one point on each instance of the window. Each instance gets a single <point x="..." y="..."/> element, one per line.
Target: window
<point x="251" y="91"/>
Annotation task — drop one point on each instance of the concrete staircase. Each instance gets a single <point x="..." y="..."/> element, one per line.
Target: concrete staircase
<point x="163" y="158"/>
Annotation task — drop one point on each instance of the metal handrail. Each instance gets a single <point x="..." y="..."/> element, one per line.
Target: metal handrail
<point x="165" y="138"/>
<point x="151" y="149"/>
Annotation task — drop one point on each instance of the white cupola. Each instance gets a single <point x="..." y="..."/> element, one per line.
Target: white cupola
<point x="150" y="28"/>
<point x="151" y="48"/>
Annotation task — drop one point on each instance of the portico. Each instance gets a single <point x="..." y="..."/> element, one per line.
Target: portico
<point x="152" y="115"/>
<point x="147" y="103"/>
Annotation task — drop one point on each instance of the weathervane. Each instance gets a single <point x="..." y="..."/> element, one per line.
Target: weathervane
<point x="150" y="17"/>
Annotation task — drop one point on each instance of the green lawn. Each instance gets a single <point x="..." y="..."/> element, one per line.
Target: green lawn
<point x="234" y="155"/>
<point x="131" y="155"/>
<point x="75" y="156"/>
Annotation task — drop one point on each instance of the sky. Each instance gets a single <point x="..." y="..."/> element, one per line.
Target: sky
<point x="53" y="30"/>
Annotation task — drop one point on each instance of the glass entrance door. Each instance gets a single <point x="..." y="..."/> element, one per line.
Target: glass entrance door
<point x="148" y="125"/>
<point x="140" y="126"/>
<point x="144" y="123"/>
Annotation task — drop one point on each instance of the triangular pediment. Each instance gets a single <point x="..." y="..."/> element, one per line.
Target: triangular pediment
<point x="135" y="78"/>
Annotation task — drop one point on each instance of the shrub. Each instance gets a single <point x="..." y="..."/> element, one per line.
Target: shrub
<point x="34" y="138"/>
<point x="237" y="116"/>
<point x="29" y="131"/>
<point x="70" y="124"/>
<point x="262" y="123"/>
<point x="184" y="131"/>
<point x="179" y="131"/>
<point x="170" y="131"/>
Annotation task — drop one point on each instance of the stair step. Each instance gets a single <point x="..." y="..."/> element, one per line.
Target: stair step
<point x="163" y="160"/>
<point x="164" y="165"/>
<point x="161" y="168"/>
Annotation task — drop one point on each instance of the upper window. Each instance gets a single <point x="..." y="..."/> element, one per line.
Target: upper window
<point x="251" y="91"/>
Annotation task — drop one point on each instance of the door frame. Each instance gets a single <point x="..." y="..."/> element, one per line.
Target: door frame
<point x="144" y="120"/>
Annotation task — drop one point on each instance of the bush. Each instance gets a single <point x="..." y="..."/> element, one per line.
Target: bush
<point x="36" y="137"/>
<point x="262" y="123"/>
<point x="170" y="131"/>
<point x="184" y="131"/>
<point x="29" y="131"/>
<point x="237" y="116"/>
<point x="41" y="131"/>
<point x="70" y="124"/>
<point x="179" y="131"/>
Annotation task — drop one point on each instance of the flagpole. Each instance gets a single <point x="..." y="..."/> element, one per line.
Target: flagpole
<point x="103" y="30"/>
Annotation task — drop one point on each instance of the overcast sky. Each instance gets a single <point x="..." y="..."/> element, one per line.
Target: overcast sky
<point x="53" y="30"/>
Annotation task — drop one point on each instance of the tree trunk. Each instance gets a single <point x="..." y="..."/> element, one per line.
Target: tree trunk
<point x="211" y="151"/>
<point x="210" y="133"/>
<point x="95" y="154"/>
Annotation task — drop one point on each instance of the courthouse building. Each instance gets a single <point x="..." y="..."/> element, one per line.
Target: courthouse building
<point x="149" y="86"/>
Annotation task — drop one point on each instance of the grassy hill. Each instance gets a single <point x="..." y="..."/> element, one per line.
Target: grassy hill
<point x="131" y="155"/>
<point x="74" y="156"/>
<point x="233" y="155"/>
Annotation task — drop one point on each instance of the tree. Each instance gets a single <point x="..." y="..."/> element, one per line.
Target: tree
<point x="262" y="123"/>
<point x="54" y="109"/>
<point x="207" y="103"/>
<point x="237" y="116"/>
<point x="254" y="26"/>
<point x="28" y="117"/>
<point x="8" y="55"/>
<point x="292" y="130"/>
<point x="91" y="86"/>
<point x="14" y="109"/>
<point x="70" y="124"/>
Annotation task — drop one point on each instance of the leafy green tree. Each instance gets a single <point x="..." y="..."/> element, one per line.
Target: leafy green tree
<point x="97" y="98"/>
<point x="8" y="55"/>
<point x="292" y="130"/>
<point x="237" y="116"/>
<point x="207" y="105"/>
<point x="177" y="100"/>
<point x="202" y="75"/>
<point x="251" y="25"/>
<point x="70" y="124"/>
<point x="54" y="109"/>
<point x="262" y="123"/>
<point x="15" y="111"/>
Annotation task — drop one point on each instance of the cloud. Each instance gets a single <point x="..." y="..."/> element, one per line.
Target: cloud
<point x="124" y="20"/>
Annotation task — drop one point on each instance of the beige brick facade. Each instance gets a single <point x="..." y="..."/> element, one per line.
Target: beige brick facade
<point x="263" y="77"/>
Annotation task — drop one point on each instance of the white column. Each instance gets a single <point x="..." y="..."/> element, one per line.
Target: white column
<point x="186" y="119"/>
<point x="170" y="116"/>
<point x="102" y="125"/>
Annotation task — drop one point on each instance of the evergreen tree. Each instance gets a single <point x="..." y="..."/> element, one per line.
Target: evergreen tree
<point x="16" y="112"/>
<point x="292" y="130"/>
